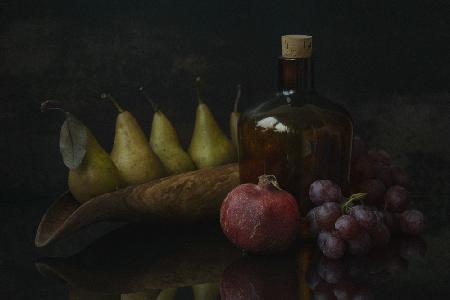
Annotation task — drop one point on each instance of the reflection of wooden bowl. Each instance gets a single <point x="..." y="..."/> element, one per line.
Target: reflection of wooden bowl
<point x="135" y="258"/>
<point x="191" y="196"/>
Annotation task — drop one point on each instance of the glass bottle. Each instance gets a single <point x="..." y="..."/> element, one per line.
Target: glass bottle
<point x="296" y="135"/>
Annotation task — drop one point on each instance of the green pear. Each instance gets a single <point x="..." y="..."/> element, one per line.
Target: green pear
<point x="234" y="119"/>
<point x="206" y="291"/>
<point x="91" y="170"/>
<point x="96" y="175"/>
<point x="209" y="145"/>
<point x="166" y="144"/>
<point x="131" y="153"/>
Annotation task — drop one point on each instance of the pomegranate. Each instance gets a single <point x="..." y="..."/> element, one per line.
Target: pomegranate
<point x="260" y="218"/>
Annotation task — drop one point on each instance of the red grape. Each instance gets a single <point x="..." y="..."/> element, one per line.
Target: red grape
<point x="360" y="245"/>
<point x="396" y="198"/>
<point x="391" y="221"/>
<point x="375" y="190"/>
<point x="399" y="176"/>
<point x="321" y="191"/>
<point x="363" y="216"/>
<point x="363" y="169"/>
<point x="412" y="222"/>
<point x="384" y="173"/>
<point x="331" y="245"/>
<point x="327" y="214"/>
<point x="380" y="156"/>
<point x="347" y="227"/>
<point x="358" y="148"/>
<point x="380" y="234"/>
<point x="314" y="228"/>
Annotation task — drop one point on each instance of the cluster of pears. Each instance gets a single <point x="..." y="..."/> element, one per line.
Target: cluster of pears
<point x="134" y="158"/>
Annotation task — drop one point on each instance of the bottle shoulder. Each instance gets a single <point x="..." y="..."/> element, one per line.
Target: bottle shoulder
<point x="298" y="106"/>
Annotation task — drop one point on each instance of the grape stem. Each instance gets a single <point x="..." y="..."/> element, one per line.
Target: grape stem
<point x="353" y="198"/>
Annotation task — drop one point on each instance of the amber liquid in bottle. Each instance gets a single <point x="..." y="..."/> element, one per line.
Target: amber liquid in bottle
<point x="297" y="136"/>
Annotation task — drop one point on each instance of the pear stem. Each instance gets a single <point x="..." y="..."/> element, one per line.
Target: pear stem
<point x="238" y="97"/>
<point x="198" y="82"/>
<point x="53" y="105"/>
<point x="155" y="106"/>
<point x="113" y="100"/>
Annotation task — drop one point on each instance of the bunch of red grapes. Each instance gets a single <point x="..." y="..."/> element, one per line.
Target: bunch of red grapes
<point x="368" y="219"/>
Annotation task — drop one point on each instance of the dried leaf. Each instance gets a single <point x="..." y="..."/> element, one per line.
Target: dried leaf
<point x="72" y="142"/>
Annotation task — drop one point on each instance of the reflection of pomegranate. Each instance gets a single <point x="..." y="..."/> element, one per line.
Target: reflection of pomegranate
<point x="260" y="218"/>
<point x="260" y="278"/>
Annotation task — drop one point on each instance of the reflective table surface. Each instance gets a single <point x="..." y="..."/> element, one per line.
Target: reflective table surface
<point x="180" y="261"/>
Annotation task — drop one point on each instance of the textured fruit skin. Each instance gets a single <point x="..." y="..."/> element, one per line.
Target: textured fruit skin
<point x="260" y="218"/>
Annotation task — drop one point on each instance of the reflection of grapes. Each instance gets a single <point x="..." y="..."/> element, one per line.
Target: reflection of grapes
<point x="360" y="245"/>
<point x="331" y="270"/>
<point x="344" y="289"/>
<point x="352" y="277"/>
<point x="322" y="191"/>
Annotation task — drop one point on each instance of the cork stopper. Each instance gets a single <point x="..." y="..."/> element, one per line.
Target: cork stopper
<point x="296" y="46"/>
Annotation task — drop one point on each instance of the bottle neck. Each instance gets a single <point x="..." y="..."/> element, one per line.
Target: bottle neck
<point x="295" y="74"/>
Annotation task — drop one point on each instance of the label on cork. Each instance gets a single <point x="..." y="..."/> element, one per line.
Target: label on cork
<point x="296" y="46"/>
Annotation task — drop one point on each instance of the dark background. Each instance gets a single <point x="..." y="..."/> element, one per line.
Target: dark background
<point x="387" y="62"/>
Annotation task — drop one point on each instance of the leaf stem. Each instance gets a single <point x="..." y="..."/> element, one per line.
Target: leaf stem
<point x="52" y="105"/>
<point x="113" y="100"/>
<point x="155" y="106"/>
<point x="238" y="97"/>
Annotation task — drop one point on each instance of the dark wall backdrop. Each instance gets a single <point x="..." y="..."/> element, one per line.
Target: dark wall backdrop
<point x="387" y="62"/>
